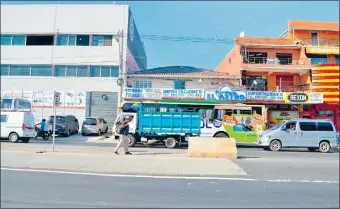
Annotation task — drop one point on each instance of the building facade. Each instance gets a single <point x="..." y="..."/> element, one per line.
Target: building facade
<point x="285" y="63"/>
<point x="73" y="49"/>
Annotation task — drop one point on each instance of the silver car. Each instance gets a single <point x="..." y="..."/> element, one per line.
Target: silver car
<point x="92" y="125"/>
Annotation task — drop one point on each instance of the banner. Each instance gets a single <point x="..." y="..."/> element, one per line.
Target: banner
<point x="183" y="94"/>
<point x="226" y="93"/>
<point x="277" y="116"/>
<point x="303" y="98"/>
<point x="265" y="97"/>
<point x="322" y="50"/>
<point x="138" y="93"/>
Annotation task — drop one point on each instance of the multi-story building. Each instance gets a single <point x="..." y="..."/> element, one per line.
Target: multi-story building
<point x="82" y="51"/>
<point x="284" y="63"/>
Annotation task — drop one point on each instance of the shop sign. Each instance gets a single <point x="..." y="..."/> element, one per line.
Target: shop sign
<point x="277" y="116"/>
<point x="322" y="50"/>
<point x="138" y="93"/>
<point x="265" y="96"/>
<point x="303" y="98"/>
<point x="225" y="93"/>
<point x="183" y="94"/>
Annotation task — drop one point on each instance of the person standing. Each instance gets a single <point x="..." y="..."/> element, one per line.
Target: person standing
<point x="124" y="139"/>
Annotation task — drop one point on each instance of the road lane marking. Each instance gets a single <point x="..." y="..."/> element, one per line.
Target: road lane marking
<point x="171" y="177"/>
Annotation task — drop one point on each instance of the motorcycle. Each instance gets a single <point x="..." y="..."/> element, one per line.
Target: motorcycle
<point x="45" y="135"/>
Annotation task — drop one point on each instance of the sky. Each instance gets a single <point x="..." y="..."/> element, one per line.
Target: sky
<point x="210" y="19"/>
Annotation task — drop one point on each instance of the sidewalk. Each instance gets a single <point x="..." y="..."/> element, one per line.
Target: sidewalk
<point x="108" y="162"/>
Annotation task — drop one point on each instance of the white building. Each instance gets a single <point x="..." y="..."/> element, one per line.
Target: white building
<point x="73" y="49"/>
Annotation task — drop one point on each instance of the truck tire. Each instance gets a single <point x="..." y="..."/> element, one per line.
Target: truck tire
<point x="170" y="142"/>
<point x="132" y="140"/>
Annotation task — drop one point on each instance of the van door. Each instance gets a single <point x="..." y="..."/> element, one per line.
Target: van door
<point x="307" y="134"/>
<point x="4" y="130"/>
<point x="287" y="134"/>
<point x="326" y="132"/>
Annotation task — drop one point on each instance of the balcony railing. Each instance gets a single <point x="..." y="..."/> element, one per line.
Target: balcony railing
<point x="276" y="61"/>
<point x="319" y="42"/>
<point x="264" y="41"/>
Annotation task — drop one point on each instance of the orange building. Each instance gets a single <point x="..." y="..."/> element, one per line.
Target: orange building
<point x="284" y="63"/>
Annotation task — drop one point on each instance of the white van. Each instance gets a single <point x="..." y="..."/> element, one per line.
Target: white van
<point x="300" y="133"/>
<point x="17" y="125"/>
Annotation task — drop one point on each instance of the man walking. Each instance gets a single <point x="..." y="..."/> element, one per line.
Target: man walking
<point x="124" y="139"/>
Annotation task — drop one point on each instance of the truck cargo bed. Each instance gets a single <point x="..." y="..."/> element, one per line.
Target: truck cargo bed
<point x="167" y="123"/>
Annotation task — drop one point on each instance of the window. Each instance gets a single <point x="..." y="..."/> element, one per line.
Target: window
<point x="104" y="71"/>
<point x="40" y="40"/>
<point x="41" y="70"/>
<point x="307" y="126"/>
<point x="337" y="60"/>
<point x="20" y="70"/>
<point x="82" y="71"/>
<point x="179" y="84"/>
<point x="143" y="84"/>
<point x="318" y="61"/>
<point x="19" y="40"/>
<point x="60" y="71"/>
<point x="3" y="118"/>
<point x="315" y="39"/>
<point x="290" y="125"/>
<point x="284" y="59"/>
<point x="255" y="58"/>
<point x="325" y="126"/>
<point x="83" y="40"/>
<point x="6" y="40"/>
<point x="4" y="70"/>
<point x="66" y="40"/>
<point x="259" y="85"/>
<point x="71" y="71"/>
<point x="102" y="40"/>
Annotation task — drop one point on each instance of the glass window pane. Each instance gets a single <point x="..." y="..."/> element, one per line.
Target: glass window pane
<point x="72" y="40"/>
<point x="149" y="84"/>
<point x="19" y="40"/>
<point x="62" y="40"/>
<point x="59" y="71"/>
<point x="83" y="40"/>
<point x="6" y="40"/>
<point x="107" y="40"/>
<point x="95" y="71"/>
<point x="96" y="40"/>
<point x="4" y="70"/>
<point x="41" y="70"/>
<point x="105" y="71"/>
<point x="137" y="84"/>
<point x="71" y="71"/>
<point x="82" y="71"/>
<point x="114" y="71"/>
<point x="19" y="70"/>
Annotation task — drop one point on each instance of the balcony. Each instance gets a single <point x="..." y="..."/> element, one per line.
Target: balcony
<point x="277" y="88"/>
<point x="266" y="42"/>
<point x="276" y="65"/>
<point x="331" y="42"/>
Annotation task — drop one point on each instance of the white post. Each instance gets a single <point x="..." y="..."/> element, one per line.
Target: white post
<point x="54" y="119"/>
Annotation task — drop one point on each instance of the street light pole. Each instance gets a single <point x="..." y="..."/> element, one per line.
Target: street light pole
<point x="121" y="79"/>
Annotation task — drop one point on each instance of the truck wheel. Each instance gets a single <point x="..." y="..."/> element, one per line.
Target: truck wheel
<point x="170" y="142"/>
<point x="13" y="137"/>
<point x="132" y="140"/>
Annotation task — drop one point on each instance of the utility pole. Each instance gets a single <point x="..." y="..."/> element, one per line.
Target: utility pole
<point x="121" y="79"/>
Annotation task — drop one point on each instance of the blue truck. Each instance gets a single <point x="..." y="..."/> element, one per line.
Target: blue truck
<point x="172" y="128"/>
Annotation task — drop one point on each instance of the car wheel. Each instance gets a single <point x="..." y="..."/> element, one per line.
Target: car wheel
<point x="324" y="147"/>
<point x="13" y="137"/>
<point x="99" y="132"/>
<point x="26" y="140"/>
<point x="221" y="135"/>
<point x="275" y="145"/>
<point x="312" y="149"/>
<point x="170" y="143"/>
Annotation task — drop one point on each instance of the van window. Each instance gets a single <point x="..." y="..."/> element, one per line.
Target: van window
<point x="307" y="126"/>
<point x="4" y="118"/>
<point x="325" y="126"/>
<point x="291" y="125"/>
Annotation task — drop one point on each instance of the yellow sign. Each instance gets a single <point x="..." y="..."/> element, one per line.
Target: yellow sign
<point x="322" y="50"/>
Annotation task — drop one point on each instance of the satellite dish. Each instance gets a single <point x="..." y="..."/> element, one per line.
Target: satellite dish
<point x="242" y="34"/>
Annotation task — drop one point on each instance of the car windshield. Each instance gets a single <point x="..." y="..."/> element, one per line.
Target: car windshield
<point x="59" y="119"/>
<point x="278" y="125"/>
<point x="90" y="121"/>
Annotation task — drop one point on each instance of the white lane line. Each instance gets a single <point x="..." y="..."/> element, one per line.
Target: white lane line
<point x="171" y="177"/>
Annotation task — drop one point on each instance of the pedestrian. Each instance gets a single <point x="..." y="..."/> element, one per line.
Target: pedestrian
<point x="124" y="139"/>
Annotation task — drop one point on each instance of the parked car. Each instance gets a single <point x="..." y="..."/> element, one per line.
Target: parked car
<point x="17" y="126"/>
<point x="306" y="133"/>
<point x="92" y="125"/>
<point x="65" y="125"/>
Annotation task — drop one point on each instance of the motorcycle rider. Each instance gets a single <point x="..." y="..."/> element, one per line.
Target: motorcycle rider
<point x="43" y="127"/>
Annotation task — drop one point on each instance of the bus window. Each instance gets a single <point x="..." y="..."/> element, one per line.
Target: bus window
<point x="244" y="112"/>
<point x="256" y="110"/>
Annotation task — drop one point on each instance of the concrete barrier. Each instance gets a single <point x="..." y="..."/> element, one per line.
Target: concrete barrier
<point x="209" y="147"/>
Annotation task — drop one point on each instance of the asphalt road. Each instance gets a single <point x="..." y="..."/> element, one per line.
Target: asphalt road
<point x="36" y="189"/>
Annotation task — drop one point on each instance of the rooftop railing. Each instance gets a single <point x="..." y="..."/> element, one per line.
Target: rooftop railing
<point x="276" y="61"/>
<point x="331" y="42"/>
<point x="278" y="89"/>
